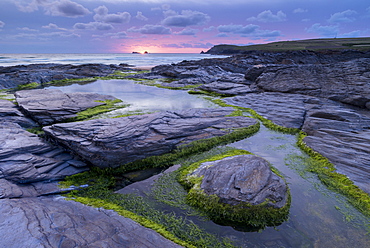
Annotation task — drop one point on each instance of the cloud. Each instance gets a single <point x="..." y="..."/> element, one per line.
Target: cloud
<point x="27" y="29"/>
<point x="188" y="31"/>
<point x="188" y="45"/>
<point x="103" y="16"/>
<point x="222" y="35"/>
<point x="2" y="24"/>
<point x="209" y="29"/>
<point x="119" y="35"/>
<point x="268" y="16"/>
<point x="151" y="29"/>
<point x="53" y="26"/>
<point x="344" y="16"/>
<point x="353" y="34"/>
<point x="300" y="10"/>
<point x="64" y="8"/>
<point x="325" y="31"/>
<point x="187" y="18"/>
<point x="140" y="16"/>
<point x="93" y="26"/>
<point x="247" y="31"/>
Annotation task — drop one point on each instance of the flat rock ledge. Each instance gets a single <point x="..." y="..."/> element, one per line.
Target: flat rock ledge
<point x="55" y="222"/>
<point x="244" y="187"/>
<point x="48" y="106"/>
<point x="114" y="142"/>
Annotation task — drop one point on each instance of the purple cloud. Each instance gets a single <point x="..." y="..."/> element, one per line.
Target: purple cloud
<point x="300" y="10"/>
<point x="325" y="31"/>
<point x="140" y="16"/>
<point x="341" y="17"/>
<point x="151" y="29"/>
<point x="268" y="16"/>
<point x="65" y="8"/>
<point x="53" y="26"/>
<point x="94" y="26"/>
<point x="2" y="24"/>
<point x="187" y="18"/>
<point x="246" y="31"/>
<point x="103" y="16"/>
<point x="188" y="31"/>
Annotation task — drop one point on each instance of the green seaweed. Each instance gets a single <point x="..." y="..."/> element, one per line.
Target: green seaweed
<point x="257" y="216"/>
<point x="107" y="106"/>
<point x="335" y="181"/>
<point x="29" y="86"/>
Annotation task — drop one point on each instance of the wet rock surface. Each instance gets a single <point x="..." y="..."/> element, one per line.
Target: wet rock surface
<point x="326" y="93"/>
<point x="56" y="222"/>
<point x="12" y="76"/>
<point x="31" y="213"/>
<point x="48" y="106"/>
<point x="243" y="178"/>
<point x="113" y="142"/>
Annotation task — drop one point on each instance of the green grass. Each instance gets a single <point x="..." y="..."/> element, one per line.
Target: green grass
<point x="362" y="44"/>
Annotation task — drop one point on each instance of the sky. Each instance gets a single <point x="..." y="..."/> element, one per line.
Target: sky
<point x="172" y="26"/>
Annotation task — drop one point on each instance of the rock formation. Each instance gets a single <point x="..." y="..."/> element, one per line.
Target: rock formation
<point x="48" y="106"/>
<point x="113" y="142"/>
<point x="242" y="179"/>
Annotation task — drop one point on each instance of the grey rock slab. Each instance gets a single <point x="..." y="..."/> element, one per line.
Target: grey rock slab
<point x="47" y="106"/>
<point x="113" y="142"/>
<point x="9" y="112"/>
<point x="347" y="82"/>
<point x="242" y="178"/>
<point x="56" y="222"/>
<point x="227" y="88"/>
<point x="26" y="159"/>
<point x="342" y="135"/>
<point x="287" y="110"/>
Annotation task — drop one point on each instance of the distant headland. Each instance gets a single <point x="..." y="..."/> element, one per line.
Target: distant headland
<point x="360" y="44"/>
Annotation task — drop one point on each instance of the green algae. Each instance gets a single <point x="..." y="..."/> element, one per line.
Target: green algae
<point x="244" y="214"/>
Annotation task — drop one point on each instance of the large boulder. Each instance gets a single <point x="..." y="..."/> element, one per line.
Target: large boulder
<point x="113" y="142"/>
<point x="239" y="190"/>
<point x="242" y="179"/>
<point x="48" y="106"/>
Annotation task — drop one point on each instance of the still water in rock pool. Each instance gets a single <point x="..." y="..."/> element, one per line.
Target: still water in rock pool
<point x="318" y="217"/>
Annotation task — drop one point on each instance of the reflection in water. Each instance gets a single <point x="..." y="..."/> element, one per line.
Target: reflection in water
<point x="141" y="97"/>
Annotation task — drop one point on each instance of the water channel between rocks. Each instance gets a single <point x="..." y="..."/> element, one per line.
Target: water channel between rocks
<point x="318" y="216"/>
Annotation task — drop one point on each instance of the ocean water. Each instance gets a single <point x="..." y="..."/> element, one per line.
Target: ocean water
<point x="137" y="60"/>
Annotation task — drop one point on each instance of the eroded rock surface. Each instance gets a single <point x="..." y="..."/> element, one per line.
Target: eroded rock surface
<point x="12" y="76"/>
<point x="48" y="106"/>
<point x="243" y="178"/>
<point x="56" y="222"/>
<point x="113" y="142"/>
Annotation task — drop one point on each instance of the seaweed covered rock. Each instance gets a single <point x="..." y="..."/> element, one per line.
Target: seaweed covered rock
<point x="48" y="106"/>
<point x="241" y="189"/>
<point x="114" y="142"/>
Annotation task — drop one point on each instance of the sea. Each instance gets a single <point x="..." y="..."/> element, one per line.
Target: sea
<point x="137" y="60"/>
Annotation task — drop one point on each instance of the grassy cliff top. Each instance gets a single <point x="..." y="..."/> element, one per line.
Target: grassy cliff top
<point x="361" y="44"/>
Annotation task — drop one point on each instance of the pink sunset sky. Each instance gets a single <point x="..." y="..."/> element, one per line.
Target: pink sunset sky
<point x="173" y="26"/>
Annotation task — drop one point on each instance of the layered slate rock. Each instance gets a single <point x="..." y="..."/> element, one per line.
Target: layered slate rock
<point x="288" y="110"/>
<point x="113" y="142"/>
<point x="342" y="135"/>
<point x="29" y="165"/>
<point x="9" y="112"/>
<point x="242" y="179"/>
<point x="346" y="82"/>
<point x="55" y="222"/>
<point x="48" y="106"/>
<point x="12" y="76"/>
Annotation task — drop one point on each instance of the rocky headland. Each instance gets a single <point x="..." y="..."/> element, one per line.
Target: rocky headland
<point x="325" y="94"/>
